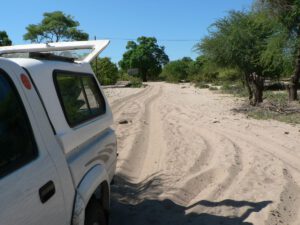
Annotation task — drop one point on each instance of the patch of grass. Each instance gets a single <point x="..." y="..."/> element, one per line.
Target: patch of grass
<point x="263" y="114"/>
<point x="212" y="88"/>
<point x="236" y="89"/>
<point x="201" y="85"/>
<point x="277" y="98"/>
<point x="276" y="107"/>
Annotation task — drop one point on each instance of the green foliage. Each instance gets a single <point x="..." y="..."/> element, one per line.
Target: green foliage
<point x="105" y="70"/>
<point x="238" y="41"/>
<point x="4" y="39"/>
<point x="145" y="55"/>
<point x="236" y="89"/>
<point x="135" y="82"/>
<point x="229" y="75"/>
<point x="285" y="42"/>
<point x="55" y="26"/>
<point x="195" y="68"/>
<point x="198" y="71"/>
<point x="285" y="11"/>
<point x="209" y="71"/>
<point x="176" y="70"/>
<point x="279" y="54"/>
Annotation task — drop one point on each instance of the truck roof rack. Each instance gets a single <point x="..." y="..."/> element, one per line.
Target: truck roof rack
<point x="49" y="56"/>
<point x="96" y="46"/>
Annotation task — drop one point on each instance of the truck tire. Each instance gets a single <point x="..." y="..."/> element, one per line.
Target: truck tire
<point x="94" y="214"/>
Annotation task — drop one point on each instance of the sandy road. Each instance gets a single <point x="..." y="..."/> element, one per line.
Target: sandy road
<point x="186" y="158"/>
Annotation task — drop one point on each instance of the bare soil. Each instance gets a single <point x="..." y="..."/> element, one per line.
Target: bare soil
<point x="185" y="157"/>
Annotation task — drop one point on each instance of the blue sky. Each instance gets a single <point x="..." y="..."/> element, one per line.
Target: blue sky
<point x="123" y="19"/>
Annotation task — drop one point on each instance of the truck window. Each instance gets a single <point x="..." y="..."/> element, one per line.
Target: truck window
<point x="80" y="97"/>
<point x="17" y="144"/>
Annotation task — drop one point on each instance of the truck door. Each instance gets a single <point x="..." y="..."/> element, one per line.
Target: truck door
<point x="30" y="191"/>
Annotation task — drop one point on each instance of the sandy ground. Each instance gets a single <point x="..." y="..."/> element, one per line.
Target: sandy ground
<point x="186" y="158"/>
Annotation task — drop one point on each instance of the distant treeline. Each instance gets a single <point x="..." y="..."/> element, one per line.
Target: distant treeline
<point x="244" y="46"/>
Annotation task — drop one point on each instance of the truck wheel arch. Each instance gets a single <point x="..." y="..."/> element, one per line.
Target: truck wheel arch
<point x="94" y="184"/>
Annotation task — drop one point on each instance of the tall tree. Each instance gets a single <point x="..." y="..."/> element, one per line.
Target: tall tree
<point x="4" y="39"/>
<point x="55" y="26"/>
<point x="237" y="41"/>
<point x="288" y="13"/>
<point x="146" y="56"/>
<point x="105" y="70"/>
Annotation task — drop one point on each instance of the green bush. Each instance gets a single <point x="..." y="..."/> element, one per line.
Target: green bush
<point x="135" y="82"/>
<point x="232" y="75"/>
<point x="105" y="70"/>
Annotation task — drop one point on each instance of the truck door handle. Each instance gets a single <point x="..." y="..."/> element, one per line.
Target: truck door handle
<point x="47" y="191"/>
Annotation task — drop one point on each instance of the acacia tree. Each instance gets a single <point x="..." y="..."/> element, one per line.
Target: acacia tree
<point x="4" y="39"/>
<point x="237" y="41"/>
<point x="146" y="56"/>
<point x="287" y="12"/>
<point x="55" y="26"/>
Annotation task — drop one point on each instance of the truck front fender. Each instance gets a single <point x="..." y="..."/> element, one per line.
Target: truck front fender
<point x="87" y="187"/>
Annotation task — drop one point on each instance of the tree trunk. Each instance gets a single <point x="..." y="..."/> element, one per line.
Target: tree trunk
<point x="294" y="81"/>
<point x="257" y="86"/>
<point x="250" y="93"/>
<point x="258" y="93"/>
<point x="144" y="75"/>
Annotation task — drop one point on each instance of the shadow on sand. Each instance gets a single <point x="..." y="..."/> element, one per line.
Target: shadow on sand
<point x="138" y="204"/>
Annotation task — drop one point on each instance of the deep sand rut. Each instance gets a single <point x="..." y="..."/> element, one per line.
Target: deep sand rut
<point x="186" y="158"/>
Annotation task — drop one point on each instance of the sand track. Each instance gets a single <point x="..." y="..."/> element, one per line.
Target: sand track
<point x="186" y="158"/>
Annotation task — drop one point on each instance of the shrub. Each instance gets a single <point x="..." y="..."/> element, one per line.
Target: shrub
<point x="135" y="82"/>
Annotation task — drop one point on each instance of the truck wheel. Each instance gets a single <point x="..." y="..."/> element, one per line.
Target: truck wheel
<point x="94" y="214"/>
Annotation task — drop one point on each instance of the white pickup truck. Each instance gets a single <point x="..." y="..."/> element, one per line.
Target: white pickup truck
<point x="57" y="149"/>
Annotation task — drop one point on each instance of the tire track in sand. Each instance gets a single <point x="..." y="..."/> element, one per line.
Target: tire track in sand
<point x="202" y="174"/>
<point x="133" y="165"/>
<point x="287" y="209"/>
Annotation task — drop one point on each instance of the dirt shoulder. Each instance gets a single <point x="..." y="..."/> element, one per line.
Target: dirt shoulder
<point x="186" y="158"/>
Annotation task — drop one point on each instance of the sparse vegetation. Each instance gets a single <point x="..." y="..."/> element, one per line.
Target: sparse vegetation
<point x="236" y="89"/>
<point x="275" y="107"/>
<point x="201" y="85"/>
<point x="212" y="88"/>
<point x="264" y="114"/>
